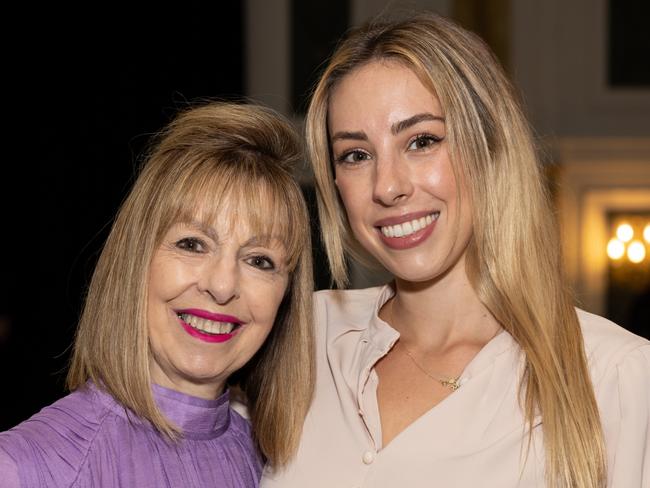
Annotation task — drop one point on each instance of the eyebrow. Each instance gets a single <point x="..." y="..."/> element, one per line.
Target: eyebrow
<point x="200" y="226"/>
<point x="398" y="127"/>
<point x="395" y="129"/>
<point x="356" y="136"/>
<point x="263" y="241"/>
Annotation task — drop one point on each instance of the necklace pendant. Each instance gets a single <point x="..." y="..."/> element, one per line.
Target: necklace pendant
<point x="453" y="383"/>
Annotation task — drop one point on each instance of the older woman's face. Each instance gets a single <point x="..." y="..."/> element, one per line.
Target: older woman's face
<point x="394" y="174"/>
<point x="213" y="296"/>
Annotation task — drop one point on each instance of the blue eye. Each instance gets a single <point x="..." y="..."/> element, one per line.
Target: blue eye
<point x="353" y="157"/>
<point x="191" y="244"/>
<point x="423" y="141"/>
<point x="261" y="262"/>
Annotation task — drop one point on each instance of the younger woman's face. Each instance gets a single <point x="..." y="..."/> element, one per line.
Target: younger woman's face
<point x="388" y="139"/>
<point x="214" y="291"/>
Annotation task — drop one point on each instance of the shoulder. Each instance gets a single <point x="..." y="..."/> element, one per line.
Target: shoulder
<point x="9" y="470"/>
<point x="53" y="443"/>
<point x="607" y="341"/>
<point x="610" y="347"/>
<point x="74" y="414"/>
<point x="619" y="363"/>
<point x="352" y="309"/>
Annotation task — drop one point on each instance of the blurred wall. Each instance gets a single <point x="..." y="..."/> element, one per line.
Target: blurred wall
<point x="560" y="59"/>
<point x="583" y="73"/>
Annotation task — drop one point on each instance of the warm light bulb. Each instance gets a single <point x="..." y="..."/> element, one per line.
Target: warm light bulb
<point x="625" y="232"/>
<point x="615" y="248"/>
<point x="636" y="251"/>
<point x="646" y="233"/>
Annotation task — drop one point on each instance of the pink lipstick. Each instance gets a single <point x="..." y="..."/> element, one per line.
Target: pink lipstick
<point x="195" y="323"/>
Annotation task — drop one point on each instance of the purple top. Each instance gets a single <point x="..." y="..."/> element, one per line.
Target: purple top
<point x="87" y="439"/>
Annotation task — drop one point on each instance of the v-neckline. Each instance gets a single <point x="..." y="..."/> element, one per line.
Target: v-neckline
<point x="380" y="338"/>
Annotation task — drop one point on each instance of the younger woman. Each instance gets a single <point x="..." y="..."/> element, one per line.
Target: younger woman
<point x="472" y="368"/>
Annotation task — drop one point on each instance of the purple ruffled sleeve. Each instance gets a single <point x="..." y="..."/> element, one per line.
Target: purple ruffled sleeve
<point x="88" y="440"/>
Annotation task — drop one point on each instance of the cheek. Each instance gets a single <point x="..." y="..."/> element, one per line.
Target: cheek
<point x="168" y="277"/>
<point x="441" y="182"/>
<point x="160" y="291"/>
<point x="156" y="282"/>
<point x="438" y="178"/>
<point x="265" y="300"/>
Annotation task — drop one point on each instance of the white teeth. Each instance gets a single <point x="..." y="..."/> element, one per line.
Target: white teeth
<point x="407" y="228"/>
<point x="205" y="325"/>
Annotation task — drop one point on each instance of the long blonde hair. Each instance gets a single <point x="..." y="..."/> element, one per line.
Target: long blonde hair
<point x="514" y="262"/>
<point x="210" y="156"/>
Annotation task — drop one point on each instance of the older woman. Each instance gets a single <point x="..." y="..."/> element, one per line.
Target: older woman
<point x="473" y="368"/>
<point x="207" y="269"/>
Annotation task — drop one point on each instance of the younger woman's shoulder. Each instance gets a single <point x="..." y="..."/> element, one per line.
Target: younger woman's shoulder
<point x="609" y="345"/>
<point x="603" y="335"/>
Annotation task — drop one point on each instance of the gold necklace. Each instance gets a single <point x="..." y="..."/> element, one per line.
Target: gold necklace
<point x="452" y="383"/>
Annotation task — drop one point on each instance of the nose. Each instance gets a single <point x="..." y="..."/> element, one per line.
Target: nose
<point x="219" y="278"/>
<point x="392" y="182"/>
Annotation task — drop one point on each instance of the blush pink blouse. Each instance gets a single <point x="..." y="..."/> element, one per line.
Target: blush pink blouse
<point x="474" y="437"/>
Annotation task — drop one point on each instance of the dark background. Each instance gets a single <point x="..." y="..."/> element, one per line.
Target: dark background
<point x="87" y="90"/>
<point x="89" y="93"/>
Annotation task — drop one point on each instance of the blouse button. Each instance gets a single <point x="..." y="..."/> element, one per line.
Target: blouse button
<point x="368" y="457"/>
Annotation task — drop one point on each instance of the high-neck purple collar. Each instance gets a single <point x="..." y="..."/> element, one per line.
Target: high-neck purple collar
<point x="197" y="418"/>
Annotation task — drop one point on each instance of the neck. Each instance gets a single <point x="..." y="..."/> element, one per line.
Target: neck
<point x="174" y="380"/>
<point x="438" y="314"/>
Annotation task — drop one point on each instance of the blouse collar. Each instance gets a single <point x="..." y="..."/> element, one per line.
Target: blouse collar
<point x="379" y="333"/>
<point x="197" y="418"/>
<point x="383" y="337"/>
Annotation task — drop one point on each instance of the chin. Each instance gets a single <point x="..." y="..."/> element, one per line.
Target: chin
<point x="415" y="273"/>
<point x="410" y="270"/>
<point x="415" y="277"/>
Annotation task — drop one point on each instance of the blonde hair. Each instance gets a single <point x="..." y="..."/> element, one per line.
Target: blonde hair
<point x="514" y="262"/>
<point x="211" y="157"/>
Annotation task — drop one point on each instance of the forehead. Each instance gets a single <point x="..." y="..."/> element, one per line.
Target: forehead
<point x="245" y="218"/>
<point x="378" y="95"/>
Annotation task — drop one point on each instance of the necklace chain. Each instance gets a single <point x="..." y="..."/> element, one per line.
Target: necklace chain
<point x="452" y="383"/>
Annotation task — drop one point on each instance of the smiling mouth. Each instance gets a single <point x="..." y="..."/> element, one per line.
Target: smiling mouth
<point x="405" y="229"/>
<point x="207" y="326"/>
